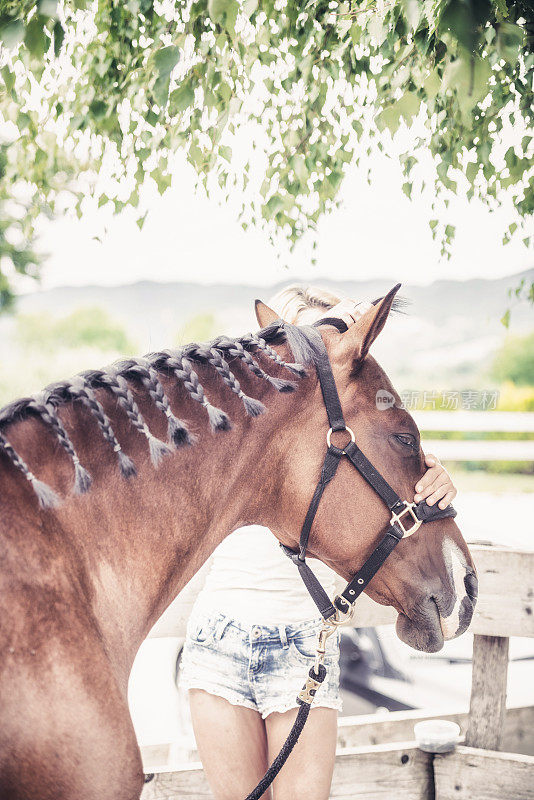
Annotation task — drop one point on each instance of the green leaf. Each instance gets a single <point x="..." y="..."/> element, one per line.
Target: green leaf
<point x="465" y="19"/>
<point x="412" y="12"/>
<point x="299" y="165"/>
<point x="274" y="205"/>
<point x="161" y="89"/>
<point x="249" y="7"/>
<point x="432" y="84"/>
<point x="505" y="319"/>
<point x="223" y="12"/>
<point x="408" y="106"/>
<point x="181" y="98"/>
<point x="9" y="78"/>
<point x="166" y="59"/>
<point x="388" y="118"/>
<point x="59" y="35"/>
<point x="163" y="181"/>
<point x="48" y="8"/>
<point x="11" y="33"/>
<point x="468" y="76"/>
<point x="34" y="38"/>
<point x="197" y="156"/>
<point x="231" y="17"/>
<point x="471" y="171"/>
<point x="152" y="118"/>
<point x="98" y="109"/>
<point x="509" y="42"/>
<point x="377" y="30"/>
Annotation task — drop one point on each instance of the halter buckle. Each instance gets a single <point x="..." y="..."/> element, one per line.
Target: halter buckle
<point x="397" y="518"/>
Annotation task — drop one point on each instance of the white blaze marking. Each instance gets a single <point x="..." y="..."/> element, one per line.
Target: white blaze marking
<point x="456" y="565"/>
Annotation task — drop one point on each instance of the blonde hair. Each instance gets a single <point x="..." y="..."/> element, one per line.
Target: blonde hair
<point x="303" y="305"/>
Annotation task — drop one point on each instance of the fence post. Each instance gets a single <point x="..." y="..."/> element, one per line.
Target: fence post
<point x="488" y="692"/>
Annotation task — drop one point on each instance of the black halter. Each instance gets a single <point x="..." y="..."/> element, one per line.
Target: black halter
<point x="402" y="511"/>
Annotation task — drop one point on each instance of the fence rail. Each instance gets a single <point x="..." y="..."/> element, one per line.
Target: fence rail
<point x="505" y="604"/>
<point x="477" y="422"/>
<point x="476" y="450"/>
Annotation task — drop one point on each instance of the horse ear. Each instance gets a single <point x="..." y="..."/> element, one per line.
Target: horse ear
<point x="362" y="334"/>
<point x="264" y="314"/>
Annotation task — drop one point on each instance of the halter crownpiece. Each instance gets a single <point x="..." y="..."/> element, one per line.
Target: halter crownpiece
<point x="344" y="314"/>
<point x="406" y="517"/>
<point x="349" y="311"/>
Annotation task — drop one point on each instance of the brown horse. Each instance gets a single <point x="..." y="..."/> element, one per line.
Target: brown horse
<point x="84" y="574"/>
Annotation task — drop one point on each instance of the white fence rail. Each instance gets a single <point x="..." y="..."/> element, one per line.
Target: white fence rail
<point x="477" y="422"/>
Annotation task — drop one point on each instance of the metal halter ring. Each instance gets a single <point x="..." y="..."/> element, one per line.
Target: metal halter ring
<point x="330" y="432"/>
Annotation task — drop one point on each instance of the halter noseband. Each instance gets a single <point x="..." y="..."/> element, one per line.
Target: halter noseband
<point x="402" y="511"/>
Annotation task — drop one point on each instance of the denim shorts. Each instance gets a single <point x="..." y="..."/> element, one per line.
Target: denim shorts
<point x="256" y="666"/>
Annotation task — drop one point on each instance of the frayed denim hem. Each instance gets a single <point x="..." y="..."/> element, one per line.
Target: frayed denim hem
<point x="281" y="708"/>
<point x="219" y="691"/>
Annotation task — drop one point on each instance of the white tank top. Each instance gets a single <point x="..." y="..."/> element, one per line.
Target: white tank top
<point x="252" y="581"/>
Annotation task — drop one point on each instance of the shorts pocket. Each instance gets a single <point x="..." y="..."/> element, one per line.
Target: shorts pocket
<point x="200" y="631"/>
<point x="306" y="644"/>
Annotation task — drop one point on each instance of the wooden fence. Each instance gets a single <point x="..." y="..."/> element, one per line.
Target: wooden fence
<point x="375" y="759"/>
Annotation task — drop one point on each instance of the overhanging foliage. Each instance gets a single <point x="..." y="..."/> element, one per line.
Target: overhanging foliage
<point x="118" y="86"/>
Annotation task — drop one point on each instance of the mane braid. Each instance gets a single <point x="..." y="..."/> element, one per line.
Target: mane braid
<point x="144" y="371"/>
<point x="253" y="407"/>
<point x="43" y="408"/>
<point x="182" y="368"/>
<point x="45" y="495"/>
<point x="237" y="350"/>
<point x="177" y="430"/>
<point x="119" y="387"/>
<point x="80" y="390"/>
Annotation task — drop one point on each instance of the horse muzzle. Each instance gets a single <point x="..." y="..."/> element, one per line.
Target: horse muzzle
<point x="436" y="619"/>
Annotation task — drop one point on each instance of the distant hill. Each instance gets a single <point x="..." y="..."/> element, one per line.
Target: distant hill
<point x="447" y="337"/>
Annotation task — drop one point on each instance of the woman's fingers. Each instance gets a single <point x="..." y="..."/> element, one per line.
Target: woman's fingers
<point x="439" y="493"/>
<point x="435" y="485"/>
<point x="432" y="460"/>
<point x="436" y="490"/>
<point x="432" y="478"/>
<point x="447" y="500"/>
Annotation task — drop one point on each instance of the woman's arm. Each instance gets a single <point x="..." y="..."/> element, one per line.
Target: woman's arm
<point x="436" y="484"/>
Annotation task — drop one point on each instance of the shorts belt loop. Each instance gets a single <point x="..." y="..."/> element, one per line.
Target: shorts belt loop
<point x="283" y="636"/>
<point x="220" y="627"/>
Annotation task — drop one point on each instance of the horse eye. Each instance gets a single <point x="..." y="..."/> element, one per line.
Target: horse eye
<point x="406" y="439"/>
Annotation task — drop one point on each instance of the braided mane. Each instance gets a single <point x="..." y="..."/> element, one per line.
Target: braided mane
<point x="145" y="371"/>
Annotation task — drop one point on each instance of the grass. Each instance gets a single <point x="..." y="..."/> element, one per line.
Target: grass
<point x="482" y="481"/>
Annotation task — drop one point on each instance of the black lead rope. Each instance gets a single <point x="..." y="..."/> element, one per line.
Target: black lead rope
<point x="401" y="512"/>
<point x="294" y="733"/>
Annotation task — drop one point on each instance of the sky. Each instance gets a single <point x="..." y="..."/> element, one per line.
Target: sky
<point x="377" y="233"/>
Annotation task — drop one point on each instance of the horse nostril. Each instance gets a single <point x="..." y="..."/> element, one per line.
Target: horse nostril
<point x="471" y="586"/>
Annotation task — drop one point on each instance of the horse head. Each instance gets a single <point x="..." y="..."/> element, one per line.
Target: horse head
<point x="429" y="578"/>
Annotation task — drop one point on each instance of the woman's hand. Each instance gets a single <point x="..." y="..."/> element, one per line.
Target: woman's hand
<point x="436" y="484"/>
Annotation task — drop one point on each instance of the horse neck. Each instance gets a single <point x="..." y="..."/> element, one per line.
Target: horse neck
<point x="134" y="544"/>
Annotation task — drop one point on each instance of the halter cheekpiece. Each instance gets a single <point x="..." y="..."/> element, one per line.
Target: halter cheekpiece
<point x="406" y="517"/>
